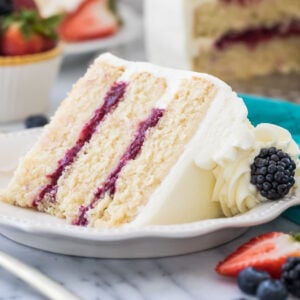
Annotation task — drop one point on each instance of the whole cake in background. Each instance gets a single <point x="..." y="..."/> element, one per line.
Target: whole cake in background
<point x="139" y="144"/>
<point x="83" y="19"/>
<point x="231" y="39"/>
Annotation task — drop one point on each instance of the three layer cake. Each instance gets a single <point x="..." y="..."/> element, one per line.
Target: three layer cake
<point x="138" y="144"/>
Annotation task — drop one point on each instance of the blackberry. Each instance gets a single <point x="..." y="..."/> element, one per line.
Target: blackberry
<point x="272" y="172"/>
<point x="290" y="275"/>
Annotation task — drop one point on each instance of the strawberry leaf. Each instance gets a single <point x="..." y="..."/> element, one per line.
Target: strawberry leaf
<point x="296" y="236"/>
<point x="112" y="6"/>
<point x="30" y="22"/>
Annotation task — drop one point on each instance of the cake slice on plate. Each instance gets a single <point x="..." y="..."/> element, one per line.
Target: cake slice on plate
<point x="138" y="144"/>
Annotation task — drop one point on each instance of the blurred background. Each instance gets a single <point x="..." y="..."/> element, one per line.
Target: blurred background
<point x="35" y="87"/>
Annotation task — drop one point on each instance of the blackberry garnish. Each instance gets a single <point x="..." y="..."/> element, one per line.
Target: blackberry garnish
<point x="290" y="275"/>
<point x="272" y="172"/>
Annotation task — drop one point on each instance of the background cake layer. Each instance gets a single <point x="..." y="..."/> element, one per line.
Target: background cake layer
<point x="217" y="33"/>
<point x="216" y="17"/>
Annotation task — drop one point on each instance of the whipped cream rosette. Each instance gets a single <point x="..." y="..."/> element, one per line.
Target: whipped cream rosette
<point x="233" y="175"/>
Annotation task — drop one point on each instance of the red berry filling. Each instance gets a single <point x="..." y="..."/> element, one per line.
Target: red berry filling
<point x="241" y="2"/>
<point x="109" y="185"/>
<point x="252" y="37"/>
<point x="112" y="98"/>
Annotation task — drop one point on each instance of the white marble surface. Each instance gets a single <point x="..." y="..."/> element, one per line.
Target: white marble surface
<point x="184" y="277"/>
<point x="178" y="278"/>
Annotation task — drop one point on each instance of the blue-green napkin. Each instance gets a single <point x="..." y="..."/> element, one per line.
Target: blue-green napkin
<point x="279" y="112"/>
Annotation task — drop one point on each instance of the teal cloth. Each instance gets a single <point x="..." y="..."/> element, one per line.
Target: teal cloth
<point x="279" y="112"/>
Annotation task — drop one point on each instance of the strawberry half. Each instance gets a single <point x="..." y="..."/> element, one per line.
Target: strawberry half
<point x="25" y="32"/>
<point x="93" y="19"/>
<point x="267" y="252"/>
<point x="20" y="4"/>
<point x="14" y="43"/>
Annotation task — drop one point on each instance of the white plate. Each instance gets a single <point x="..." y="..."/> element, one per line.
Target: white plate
<point x="130" y="30"/>
<point x="45" y="232"/>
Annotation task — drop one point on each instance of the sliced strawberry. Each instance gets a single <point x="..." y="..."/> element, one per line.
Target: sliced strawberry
<point x="14" y="43"/>
<point x="25" y="32"/>
<point x="93" y="19"/>
<point x="267" y="252"/>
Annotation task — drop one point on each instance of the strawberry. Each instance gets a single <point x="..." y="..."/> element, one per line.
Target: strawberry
<point x="20" y="4"/>
<point x="25" y="32"/>
<point x="93" y="19"/>
<point x="267" y="252"/>
<point x="14" y="43"/>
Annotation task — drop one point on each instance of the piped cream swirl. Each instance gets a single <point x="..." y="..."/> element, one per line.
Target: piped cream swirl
<point x="233" y="189"/>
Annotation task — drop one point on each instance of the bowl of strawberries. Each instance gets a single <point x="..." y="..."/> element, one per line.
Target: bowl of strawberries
<point x="30" y="56"/>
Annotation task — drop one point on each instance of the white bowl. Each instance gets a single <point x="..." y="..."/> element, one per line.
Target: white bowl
<point x="26" y="82"/>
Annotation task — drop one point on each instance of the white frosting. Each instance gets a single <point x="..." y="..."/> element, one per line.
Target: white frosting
<point x="171" y="75"/>
<point x="212" y="176"/>
<point x="51" y="7"/>
<point x="169" y="25"/>
<point x="232" y="175"/>
<point x="166" y="18"/>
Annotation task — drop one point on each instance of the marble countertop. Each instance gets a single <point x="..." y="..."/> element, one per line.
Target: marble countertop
<point x="184" y="277"/>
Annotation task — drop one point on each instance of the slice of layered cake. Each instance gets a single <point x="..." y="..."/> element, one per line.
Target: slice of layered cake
<point x="138" y="144"/>
<point x="227" y="38"/>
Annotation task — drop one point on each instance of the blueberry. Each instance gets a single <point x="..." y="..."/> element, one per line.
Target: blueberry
<point x="250" y="278"/>
<point x="6" y="7"/>
<point x="271" y="290"/>
<point x="36" y="121"/>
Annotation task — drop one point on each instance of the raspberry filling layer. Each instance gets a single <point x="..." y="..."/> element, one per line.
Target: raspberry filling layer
<point x="109" y="185"/>
<point x="241" y="2"/>
<point x="111" y="100"/>
<point x="252" y="37"/>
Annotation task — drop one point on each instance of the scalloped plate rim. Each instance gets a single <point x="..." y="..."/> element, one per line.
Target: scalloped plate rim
<point x="51" y="226"/>
<point x="164" y="231"/>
